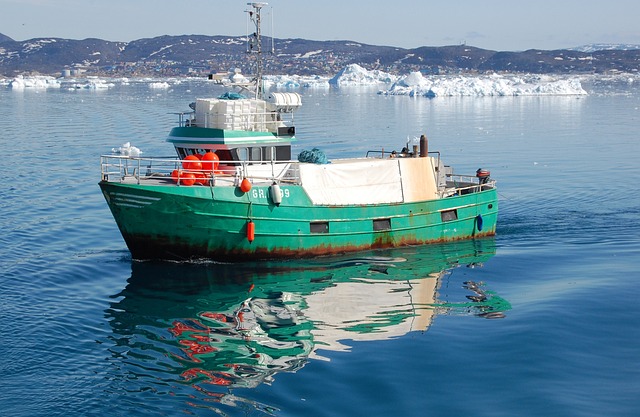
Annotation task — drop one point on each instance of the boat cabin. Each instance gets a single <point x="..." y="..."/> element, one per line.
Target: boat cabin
<point x="238" y="129"/>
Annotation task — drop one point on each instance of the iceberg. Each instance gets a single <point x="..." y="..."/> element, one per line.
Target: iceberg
<point x="39" y="82"/>
<point x="354" y="74"/>
<point x="415" y="84"/>
<point x="296" y="81"/>
<point x="411" y="84"/>
<point x="91" y="84"/>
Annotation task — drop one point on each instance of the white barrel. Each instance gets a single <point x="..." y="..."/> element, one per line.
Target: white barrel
<point x="276" y="195"/>
<point x="285" y="102"/>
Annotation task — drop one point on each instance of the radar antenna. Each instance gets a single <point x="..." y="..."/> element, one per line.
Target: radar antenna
<point x="254" y="46"/>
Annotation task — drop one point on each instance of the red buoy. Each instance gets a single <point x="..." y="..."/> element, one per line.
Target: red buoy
<point x="245" y="185"/>
<point x="192" y="163"/>
<point x="187" y="178"/>
<point x="174" y="175"/>
<point x="251" y="231"/>
<point x="201" y="178"/>
<point x="210" y="161"/>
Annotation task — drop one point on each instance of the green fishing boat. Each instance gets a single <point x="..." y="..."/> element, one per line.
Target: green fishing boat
<point x="234" y="192"/>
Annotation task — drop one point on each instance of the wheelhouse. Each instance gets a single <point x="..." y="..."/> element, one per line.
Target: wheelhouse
<point x="238" y="129"/>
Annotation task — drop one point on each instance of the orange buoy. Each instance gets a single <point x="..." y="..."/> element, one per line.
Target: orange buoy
<point x="201" y="178"/>
<point x="192" y="163"/>
<point x="251" y="231"/>
<point x="175" y="174"/>
<point x="210" y="161"/>
<point x="245" y="185"/>
<point x="188" y="178"/>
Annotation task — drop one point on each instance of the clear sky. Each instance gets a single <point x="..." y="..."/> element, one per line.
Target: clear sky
<point x="506" y="25"/>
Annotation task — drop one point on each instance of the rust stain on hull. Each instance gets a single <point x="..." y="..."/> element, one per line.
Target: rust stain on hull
<point x="163" y="249"/>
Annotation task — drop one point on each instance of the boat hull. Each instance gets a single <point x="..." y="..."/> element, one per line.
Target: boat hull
<point x="186" y="223"/>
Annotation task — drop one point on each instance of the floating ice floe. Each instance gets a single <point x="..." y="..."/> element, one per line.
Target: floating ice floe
<point x="415" y="84"/>
<point x="91" y="84"/>
<point x="159" y="85"/>
<point x="354" y="74"/>
<point x="45" y="82"/>
<point x="412" y="84"/>
<point x="127" y="150"/>
<point x="296" y="81"/>
<point x="39" y="82"/>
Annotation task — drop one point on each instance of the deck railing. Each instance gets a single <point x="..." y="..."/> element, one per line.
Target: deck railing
<point x="465" y="184"/>
<point x="118" y="168"/>
<point x="159" y="171"/>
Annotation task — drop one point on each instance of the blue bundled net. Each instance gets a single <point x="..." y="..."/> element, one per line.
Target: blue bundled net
<point x="231" y="96"/>
<point x="315" y="156"/>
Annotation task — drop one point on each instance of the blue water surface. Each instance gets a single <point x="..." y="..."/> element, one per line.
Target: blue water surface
<point x="84" y="330"/>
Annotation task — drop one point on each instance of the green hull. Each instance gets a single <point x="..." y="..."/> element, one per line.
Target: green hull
<point x="198" y="222"/>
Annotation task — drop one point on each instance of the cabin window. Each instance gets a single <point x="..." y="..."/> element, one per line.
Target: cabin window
<point x="243" y="154"/>
<point x="225" y="155"/>
<point x="256" y="154"/>
<point x="269" y="153"/>
<point x="283" y="153"/>
<point x="381" y="224"/>
<point x="449" y="215"/>
<point x="319" y="227"/>
<point x="181" y="153"/>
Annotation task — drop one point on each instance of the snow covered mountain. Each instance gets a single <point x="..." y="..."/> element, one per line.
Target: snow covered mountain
<point x="594" y="47"/>
<point x="176" y="55"/>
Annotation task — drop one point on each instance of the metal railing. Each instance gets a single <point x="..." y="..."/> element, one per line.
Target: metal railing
<point x="119" y="168"/>
<point x="464" y="184"/>
<point x="161" y="171"/>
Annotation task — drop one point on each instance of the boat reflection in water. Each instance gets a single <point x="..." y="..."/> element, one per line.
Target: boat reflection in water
<point x="210" y="327"/>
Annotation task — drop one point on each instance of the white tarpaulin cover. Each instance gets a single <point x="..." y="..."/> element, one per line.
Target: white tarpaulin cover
<point x="369" y="181"/>
<point x="418" y="179"/>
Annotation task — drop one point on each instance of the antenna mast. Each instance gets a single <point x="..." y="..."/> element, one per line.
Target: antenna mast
<point x="255" y="45"/>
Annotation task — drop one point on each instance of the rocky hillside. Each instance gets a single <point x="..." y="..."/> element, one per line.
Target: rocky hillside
<point x="197" y="54"/>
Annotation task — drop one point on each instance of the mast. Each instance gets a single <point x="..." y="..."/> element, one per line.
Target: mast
<point x="254" y="45"/>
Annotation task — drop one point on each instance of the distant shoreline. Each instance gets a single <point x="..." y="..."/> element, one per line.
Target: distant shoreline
<point x="198" y="55"/>
<point x="413" y="85"/>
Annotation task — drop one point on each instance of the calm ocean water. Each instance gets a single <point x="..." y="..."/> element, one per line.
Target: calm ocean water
<point x="86" y="331"/>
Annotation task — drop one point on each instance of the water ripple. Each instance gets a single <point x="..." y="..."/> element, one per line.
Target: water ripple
<point x="87" y="331"/>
